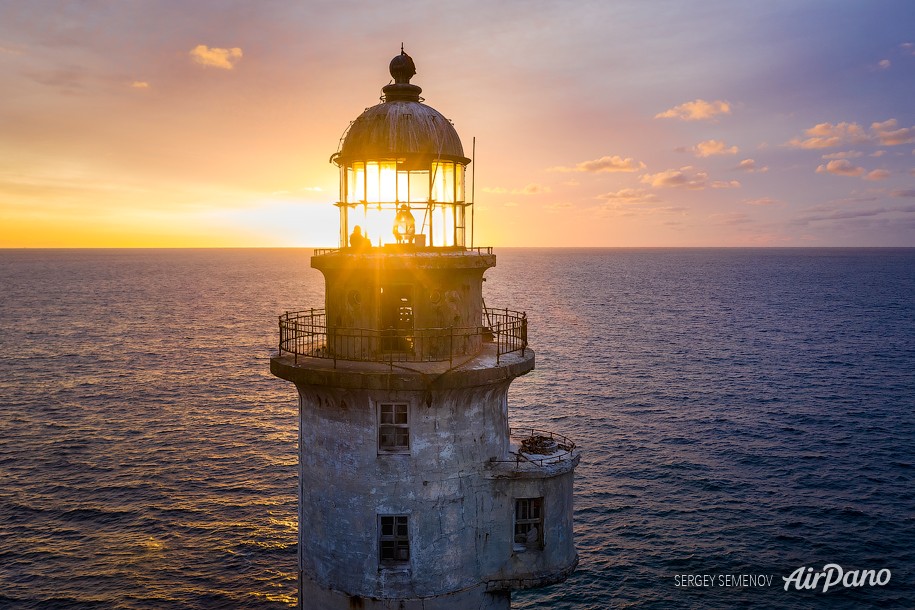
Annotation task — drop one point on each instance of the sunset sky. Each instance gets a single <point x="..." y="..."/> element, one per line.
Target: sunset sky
<point x="602" y="123"/>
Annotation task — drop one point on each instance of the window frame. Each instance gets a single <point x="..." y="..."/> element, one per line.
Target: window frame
<point x="400" y="541"/>
<point x="398" y="430"/>
<point x="521" y="525"/>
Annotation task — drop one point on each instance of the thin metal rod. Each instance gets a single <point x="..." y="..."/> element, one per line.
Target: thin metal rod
<point x="473" y="185"/>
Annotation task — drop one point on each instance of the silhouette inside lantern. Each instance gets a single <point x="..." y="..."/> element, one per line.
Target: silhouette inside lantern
<point x="404" y="225"/>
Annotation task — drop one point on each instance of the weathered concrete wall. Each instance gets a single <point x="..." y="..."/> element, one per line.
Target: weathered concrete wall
<point x="523" y="568"/>
<point x="445" y="289"/>
<point x="346" y="483"/>
<point x="473" y="598"/>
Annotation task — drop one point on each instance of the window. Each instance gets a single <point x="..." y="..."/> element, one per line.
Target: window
<point x="397" y="318"/>
<point x="393" y="539"/>
<point x="528" y="523"/>
<point x="393" y="428"/>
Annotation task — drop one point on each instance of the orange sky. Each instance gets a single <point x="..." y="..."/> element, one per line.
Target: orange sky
<point x="652" y="123"/>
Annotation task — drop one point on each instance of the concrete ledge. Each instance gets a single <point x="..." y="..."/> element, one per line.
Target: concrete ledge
<point x="480" y="369"/>
<point x="386" y="259"/>
<point x="529" y="470"/>
<point x="479" y="597"/>
<point x="532" y="581"/>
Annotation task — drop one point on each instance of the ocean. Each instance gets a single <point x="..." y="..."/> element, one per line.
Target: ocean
<point x="741" y="412"/>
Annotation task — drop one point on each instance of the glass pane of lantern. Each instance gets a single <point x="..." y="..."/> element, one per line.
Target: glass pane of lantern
<point x="443" y="183"/>
<point x="460" y="219"/>
<point x="372" y="182"/>
<point x="449" y="183"/>
<point x="403" y="191"/>
<point x="355" y="183"/>
<point x="459" y="182"/>
<point x="388" y="181"/>
<point x="419" y="186"/>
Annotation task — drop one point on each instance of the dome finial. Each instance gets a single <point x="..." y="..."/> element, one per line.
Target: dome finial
<point x="402" y="67"/>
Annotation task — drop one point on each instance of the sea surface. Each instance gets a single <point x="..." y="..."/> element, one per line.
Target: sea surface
<point x="740" y="411"/>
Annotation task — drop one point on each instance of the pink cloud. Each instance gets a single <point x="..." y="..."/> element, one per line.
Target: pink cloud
<point x="840" y="167"/>
<point x="749" y="165"/>
<point x="888" y="134"/>
<point x="827" y="135"/>
<point x="708" y="148"/>
<point x="214" y="57"/>
<point x="762" y="201"/>
<point x="604" y="164"/>
<point x="696" y="110"/>
<point x="686" y="177"/>
<point x="629" y="196"/>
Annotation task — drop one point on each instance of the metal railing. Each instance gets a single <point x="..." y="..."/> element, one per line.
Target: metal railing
<point x="480" y="250"/>
<point x="306" y="333"/>
<point x="564" y="448"/>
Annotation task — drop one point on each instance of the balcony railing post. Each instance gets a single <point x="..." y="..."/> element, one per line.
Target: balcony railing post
<point x="451" y="346"/>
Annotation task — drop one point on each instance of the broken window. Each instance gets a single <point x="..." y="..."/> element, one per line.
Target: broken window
<point x="393" y="539"/>
<point x="528" y="523"/>
<point x="393" y="427"/>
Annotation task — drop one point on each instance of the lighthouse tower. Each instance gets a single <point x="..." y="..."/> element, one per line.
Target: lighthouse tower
<point x="413" y="490"/>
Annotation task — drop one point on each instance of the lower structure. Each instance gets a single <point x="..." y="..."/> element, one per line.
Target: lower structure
<point x="414" y="493"/>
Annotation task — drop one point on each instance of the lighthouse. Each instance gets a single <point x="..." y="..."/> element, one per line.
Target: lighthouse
<point x="414" y="492"/>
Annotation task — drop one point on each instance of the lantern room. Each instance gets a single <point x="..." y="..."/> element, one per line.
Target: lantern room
<point x="402" y="172"/>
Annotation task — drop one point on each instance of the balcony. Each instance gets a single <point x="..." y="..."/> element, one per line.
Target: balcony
<point x="410" y="248"/>
<point x="306" y="334"/>
<point x="538" y="447"/>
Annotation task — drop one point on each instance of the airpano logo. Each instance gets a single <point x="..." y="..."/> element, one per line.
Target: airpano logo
<point x="832" y="576"/>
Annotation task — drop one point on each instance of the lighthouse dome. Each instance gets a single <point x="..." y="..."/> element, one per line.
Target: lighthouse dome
<point x="401" y="126"/>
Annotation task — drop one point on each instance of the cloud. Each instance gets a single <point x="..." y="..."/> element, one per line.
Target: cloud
<point x="224" y="59"/>
<point x="511" y="204"/>
<point x="840" y="167"/>
<point x="564" y="205"/>
<point x="848" y="154"/>
<point x="730" y="218"/>
<point x="878" y="153"/>
<point x="604" y="164"/>
<point x="686" y="177"/>
<point x="838" y="211"/>
<point x="629" y="196"/>
<point x="725" y="184"/>
<point x="532" y="189"/>
<point x="827" y="135"/>
<point x="762" y="201"/>
<point x="908" y="47"/>
<point x="707" y="148"/>
<point x="139" y="84"/>
<point x="696" y="110"/>
<point x="749" y="165"/>
<point x="884" y="64"/>
<point x="877" y="174"/>
<point x="903" y="193"/>
<point x="888" y="134"/>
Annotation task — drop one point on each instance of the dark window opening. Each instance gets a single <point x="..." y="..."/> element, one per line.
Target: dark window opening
<point x="528" y="523"/>
<point x="397" y="318"/>
<point x="393" y="427"/>
<point x="394" y="539"/>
